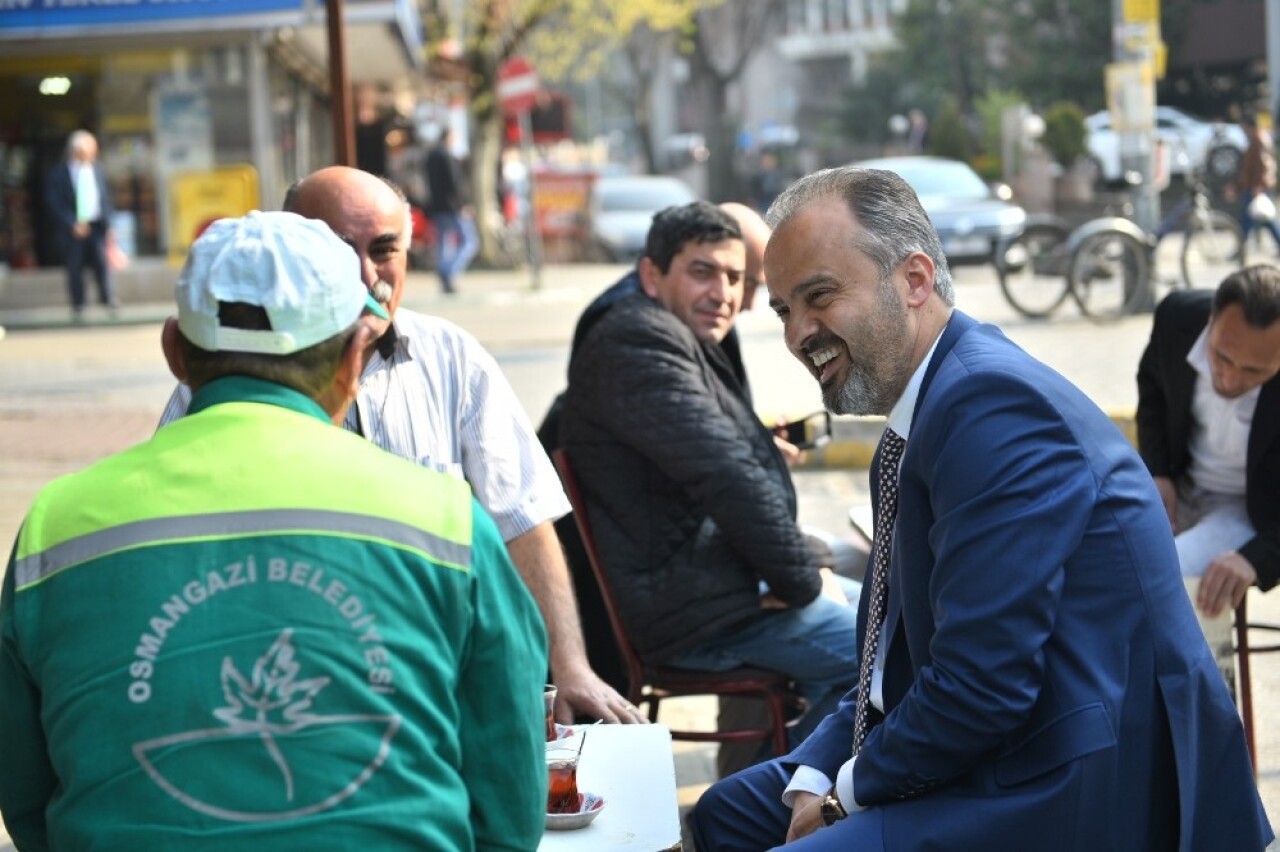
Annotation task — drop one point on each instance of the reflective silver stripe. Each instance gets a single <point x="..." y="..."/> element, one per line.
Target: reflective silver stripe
<point x="38" y="566"/>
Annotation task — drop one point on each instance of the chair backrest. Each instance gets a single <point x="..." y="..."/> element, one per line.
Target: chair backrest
<point x="635" y="668"/>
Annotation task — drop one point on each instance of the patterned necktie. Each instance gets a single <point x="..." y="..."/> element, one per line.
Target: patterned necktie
<point x="891" y="446"/>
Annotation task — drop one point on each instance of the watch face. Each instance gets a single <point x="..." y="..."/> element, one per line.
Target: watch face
<point x="831" y="810"/>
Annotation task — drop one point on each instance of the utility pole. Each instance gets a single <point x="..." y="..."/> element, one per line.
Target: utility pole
<point x="1131" y="97"/>
<point x="1131" y="101"/>
<point x="1273" y="57"/>
<point x="344" y="134"/>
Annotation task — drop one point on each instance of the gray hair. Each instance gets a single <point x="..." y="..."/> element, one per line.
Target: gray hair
<point x="78" y="139"/>
<point x="894" y="225"/>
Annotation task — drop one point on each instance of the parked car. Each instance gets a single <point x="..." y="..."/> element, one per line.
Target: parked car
<point x="622" y="207"/>
<point x="967" y="213"/>
<point x="1194" y="144"/>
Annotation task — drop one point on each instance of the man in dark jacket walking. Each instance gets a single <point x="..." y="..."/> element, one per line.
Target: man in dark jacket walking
<point x="449" y="207"/>
<point x="690" y="500"/>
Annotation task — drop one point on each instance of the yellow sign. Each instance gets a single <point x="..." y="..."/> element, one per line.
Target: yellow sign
<point x="1141" y="10"/>
<point x="198" y="198"/>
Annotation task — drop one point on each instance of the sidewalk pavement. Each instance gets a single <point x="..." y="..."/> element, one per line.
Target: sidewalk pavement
<point x="70" y="394"/>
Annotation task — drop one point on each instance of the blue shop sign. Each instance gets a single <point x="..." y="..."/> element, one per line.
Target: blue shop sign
<point x="48" y="17"/>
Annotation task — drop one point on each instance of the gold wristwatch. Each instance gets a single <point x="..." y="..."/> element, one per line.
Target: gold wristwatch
<point x="832" y="810"/>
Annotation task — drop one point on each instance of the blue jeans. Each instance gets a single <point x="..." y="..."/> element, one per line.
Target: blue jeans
<point x="816" y="645"/>
<point x="457" y="241"/>
<point x="1247" y="223"/>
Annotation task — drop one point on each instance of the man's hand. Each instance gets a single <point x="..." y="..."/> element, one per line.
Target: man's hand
<point x="831" y="589"/>
<point x="806" y="816"/>
<point x="80" y="230"/>
<point x="540" y="563"/>
<point x="583" y="693"/>
<point x="1225" y="583"/>
<point x="791" y="454"/>
<point x="1169" y="497"/>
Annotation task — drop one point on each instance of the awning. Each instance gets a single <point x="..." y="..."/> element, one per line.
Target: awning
<point x="384" y="37"/>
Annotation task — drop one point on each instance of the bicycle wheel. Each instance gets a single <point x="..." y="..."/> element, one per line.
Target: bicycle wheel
<point x="1210" y="248"/>
<point x="1108" y="274"/>
<point x="1032" y="269"/>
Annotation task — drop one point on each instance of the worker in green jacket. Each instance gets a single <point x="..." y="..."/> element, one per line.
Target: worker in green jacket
<point x="257" y="631"/>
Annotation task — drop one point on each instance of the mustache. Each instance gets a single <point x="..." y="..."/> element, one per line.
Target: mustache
<point x="382" y="292"/>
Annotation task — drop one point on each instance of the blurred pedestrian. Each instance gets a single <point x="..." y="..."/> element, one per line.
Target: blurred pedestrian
<point x="917" y="131"/>
<point x="769" y="181"/>
<point x="452" y="216"/>
<point x="80" y="203"/>
<point x="1256" y="180"/>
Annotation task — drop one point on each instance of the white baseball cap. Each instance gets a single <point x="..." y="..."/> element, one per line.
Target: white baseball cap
<point x="297" y="269"/>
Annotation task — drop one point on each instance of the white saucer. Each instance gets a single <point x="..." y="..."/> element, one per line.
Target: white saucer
<point x="592" y="805"/>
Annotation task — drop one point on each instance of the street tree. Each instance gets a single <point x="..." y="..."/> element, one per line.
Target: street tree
<point x="944" y="48"/>
<point x="489" y="32"/>
<point x="594" y="33"/>
<point x="1033" y="30"/>
<point x="722" y="38"/>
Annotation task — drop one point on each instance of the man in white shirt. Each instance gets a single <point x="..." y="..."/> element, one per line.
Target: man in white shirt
<point x="432" y="394"/>
<point x="1031" y="672"/>
<point x="1209" y="431"/>
<point x="80" y="203"/>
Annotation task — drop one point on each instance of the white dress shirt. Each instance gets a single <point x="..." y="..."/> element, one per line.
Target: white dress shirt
<point x="806" y="778"/>
<point x="440" y="399"/>
<point x="1220" y="430"/>
<point x="88" y="199"/>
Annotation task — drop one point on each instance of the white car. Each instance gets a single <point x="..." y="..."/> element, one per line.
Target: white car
<point x="1194" y="144"/>
<point x="622" y="208"/>
<point x="970" y="218"/>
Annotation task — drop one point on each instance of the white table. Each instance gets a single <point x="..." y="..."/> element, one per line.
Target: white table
<point x="632" y="768"/>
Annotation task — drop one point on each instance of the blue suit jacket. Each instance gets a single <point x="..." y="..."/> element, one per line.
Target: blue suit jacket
<point x="1046" y="684"/>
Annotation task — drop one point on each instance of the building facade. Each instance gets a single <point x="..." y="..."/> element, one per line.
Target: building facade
<point x="172" y="89"/>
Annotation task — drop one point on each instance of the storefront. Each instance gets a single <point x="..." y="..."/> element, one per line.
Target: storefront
<point x="172" y="87"/>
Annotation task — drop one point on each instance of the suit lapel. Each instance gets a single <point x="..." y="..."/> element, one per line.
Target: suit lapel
<point x="898" y="667"/>
<point x="956" y="328"/>
<point x="1266" y="424"/>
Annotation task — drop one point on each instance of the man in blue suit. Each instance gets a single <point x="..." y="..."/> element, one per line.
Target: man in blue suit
<point x="1037" y="679"/>
<point x="80" y="203"/>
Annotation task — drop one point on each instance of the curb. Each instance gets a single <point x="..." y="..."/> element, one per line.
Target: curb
<point x="854" y="440"/>
<point x="38" y="319"/>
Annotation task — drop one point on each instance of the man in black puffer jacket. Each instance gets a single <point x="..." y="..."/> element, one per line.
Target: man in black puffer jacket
<point x="690" y="501"/>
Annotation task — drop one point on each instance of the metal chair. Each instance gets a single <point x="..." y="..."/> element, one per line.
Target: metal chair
<point x="1243" y="650"/>
<point x="651" y="684"/>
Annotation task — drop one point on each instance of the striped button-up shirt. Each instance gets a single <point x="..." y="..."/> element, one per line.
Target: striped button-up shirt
<point x="433" y="395"/>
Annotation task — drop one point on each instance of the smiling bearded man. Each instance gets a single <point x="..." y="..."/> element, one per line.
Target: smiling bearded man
<point x="1029" y="655"/>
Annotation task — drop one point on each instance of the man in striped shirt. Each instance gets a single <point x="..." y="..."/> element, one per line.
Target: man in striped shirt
<point x="430" y="393"/>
